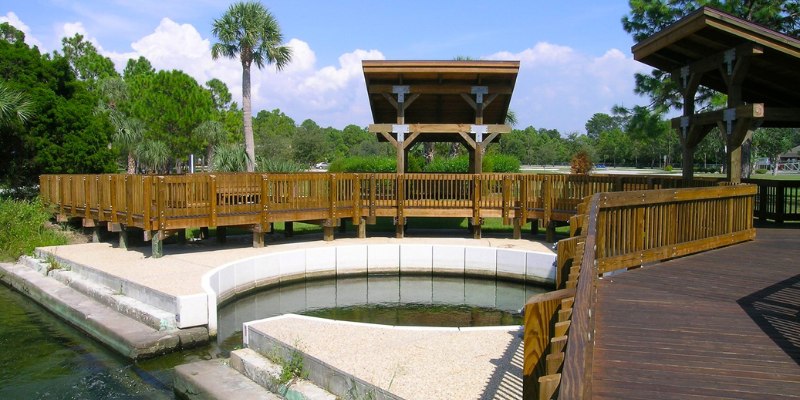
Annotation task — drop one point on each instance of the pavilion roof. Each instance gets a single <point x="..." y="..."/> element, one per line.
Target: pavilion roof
<point x="441" y="86"/>
<point x="773" y="77"/>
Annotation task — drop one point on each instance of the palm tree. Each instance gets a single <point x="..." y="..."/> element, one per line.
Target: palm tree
<point x="128" y="136"/>
<point x="153" y="154"/>
<point x="250" y="31"/>
<point x="229" y="157"/>
<point x="13" y="106"/>
<point x="128" y="131"/>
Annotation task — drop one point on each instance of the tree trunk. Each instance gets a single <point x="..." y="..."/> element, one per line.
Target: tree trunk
<point x="249" y="144"/>
<point x="131" y="163"/>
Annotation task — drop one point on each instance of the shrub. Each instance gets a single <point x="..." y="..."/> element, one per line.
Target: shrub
<point x="277" y="166"/>
<point x="501" y="163"/>
<point x="761" y="171"/>
<point x="581" y="163"/>
<point x="448" y="165"/>
<point x="25" y="227"/>
<point x="364" y="164"/>
<point x="668" y="168"/>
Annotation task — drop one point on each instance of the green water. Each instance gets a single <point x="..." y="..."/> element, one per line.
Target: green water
<point x="420" y="315"/>
<point x="42" y="357"/>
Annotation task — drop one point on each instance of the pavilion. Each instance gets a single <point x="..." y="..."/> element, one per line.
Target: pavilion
<point x="757" y="68"/>
<point x="440" y="101"/>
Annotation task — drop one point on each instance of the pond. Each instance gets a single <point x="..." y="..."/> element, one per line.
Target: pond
<point x="45" y="358"/>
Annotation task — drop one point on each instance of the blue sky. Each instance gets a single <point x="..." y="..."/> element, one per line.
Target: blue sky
<point x="575" y="56"/>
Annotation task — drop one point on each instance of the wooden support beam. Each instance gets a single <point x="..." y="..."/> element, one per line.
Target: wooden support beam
<point x="436" y="128"/>
<point x="714" y="61"/>
<point x="439" y="88"/>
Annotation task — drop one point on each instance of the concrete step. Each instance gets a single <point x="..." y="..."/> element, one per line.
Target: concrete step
<point x="149" y="315"/>
<point x="214" y="379"/>
<point x="129" y="337"/>
<point x="268" y="374"/>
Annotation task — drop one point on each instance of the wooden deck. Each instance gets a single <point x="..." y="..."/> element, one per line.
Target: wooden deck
<point x="720" y="324"/>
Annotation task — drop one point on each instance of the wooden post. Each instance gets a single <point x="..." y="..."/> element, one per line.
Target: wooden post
<point x="535" y="226"/>
<point x="362" y="229"/>
<point x="123" y="238"/>
<point x="222" y="234"/>
<point x="212" y="199"/>
<point x="400" y="220"/>
<point x="288" y="229"/>
<point x="517" y="228"/>
<point x="157" y="244"/>
<point x="476" y="206"/>
<point x="547" y="191"/>
<point x="327" y="232"/>
<point x="550" y="232"/>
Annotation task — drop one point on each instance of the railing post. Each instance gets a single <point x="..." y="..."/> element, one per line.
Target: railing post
<point x="212" y="199"/>
<point x="356" y="198"/>
<point x="60" y="194"/>
<point x="372" y="198"/>
<point x="476" y="206"/>
<point x="507" y="205"/>
<point x="400" y="220"/>
<point x="161" y="203"/>
<point x="547" y="190"/>
<point x="147" y="188"/>
<point x="112" y="189"/>
<point x="780" y="201"/>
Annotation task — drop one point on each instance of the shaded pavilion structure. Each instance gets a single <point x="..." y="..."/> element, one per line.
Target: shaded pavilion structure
<point x="756" y="67"/>
<point x="440" y="101"/>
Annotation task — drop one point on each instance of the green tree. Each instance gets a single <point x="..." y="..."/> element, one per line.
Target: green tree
<point x="648" y="17"/>
<point x="599" y="123"/>
<point x="250" y="31"/>
<point x="771" y="142"/>
<point x="171" y="104"/>
<point x="140" y="66"/>
<point x="128" y="131"/>
<point x="62" y="134"/>
<point x="220" y="94"/>
<point x="11" y="34"/>
<point x="311" y="144"/>
<point x="273" y="132"/>
<point x="213" y="133"/>
<point x="86" y="63"/>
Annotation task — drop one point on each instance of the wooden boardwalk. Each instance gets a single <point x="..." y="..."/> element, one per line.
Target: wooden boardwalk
<point x="720" y="324"/>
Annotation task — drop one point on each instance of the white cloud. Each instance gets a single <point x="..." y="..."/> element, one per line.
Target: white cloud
<point x="14" y="21"/>
<point x="560" y="87"/>
<point x="332" y="95"/>
<point x="69" y="29"/>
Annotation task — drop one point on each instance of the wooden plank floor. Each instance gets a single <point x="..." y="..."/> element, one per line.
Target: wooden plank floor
<point x="723" y="324"/>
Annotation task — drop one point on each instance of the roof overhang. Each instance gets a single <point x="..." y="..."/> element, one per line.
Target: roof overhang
<point x="773" y="76"/>
<point x="441" y="87"/>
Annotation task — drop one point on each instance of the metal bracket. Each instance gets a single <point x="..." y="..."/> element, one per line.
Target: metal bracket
<point x="729" y="58"/>
<point x="729" y="115"/>
<point x="401" y="131"/>
<point x="401" y="91"/>
<point x="479" y="92"/>
<point x="478" y="131"/>
<point x="685" y="76"/>
<point x="684" y="125"/>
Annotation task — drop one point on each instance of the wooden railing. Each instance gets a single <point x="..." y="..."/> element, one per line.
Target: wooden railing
<point x="619" y="231"/>
<point x="156" y="203"/>
<point x="777" y="200"/>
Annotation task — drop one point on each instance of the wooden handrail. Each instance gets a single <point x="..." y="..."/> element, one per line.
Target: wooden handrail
<point x="625" y="230"/>
<point x="225" y="199"/>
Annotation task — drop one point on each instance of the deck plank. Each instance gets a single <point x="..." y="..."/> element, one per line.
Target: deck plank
<point x="720" y="324"/>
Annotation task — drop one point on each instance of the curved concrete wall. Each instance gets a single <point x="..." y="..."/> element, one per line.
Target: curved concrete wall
<point x="228" y="281"/>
